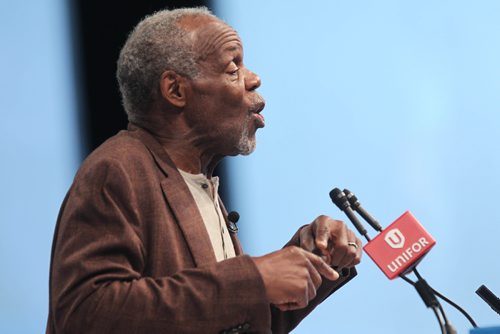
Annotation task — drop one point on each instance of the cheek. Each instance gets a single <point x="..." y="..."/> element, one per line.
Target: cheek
<point x="233" y="92"/>
<point x="222" y="99"/>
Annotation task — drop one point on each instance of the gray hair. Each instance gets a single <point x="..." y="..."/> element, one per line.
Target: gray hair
<point x="158" y="43"/>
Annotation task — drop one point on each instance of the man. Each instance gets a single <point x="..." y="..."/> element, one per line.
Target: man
<point x="142" y="243"/>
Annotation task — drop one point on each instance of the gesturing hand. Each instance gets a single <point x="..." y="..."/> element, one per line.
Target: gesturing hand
<point x="292" y="276"/>
<point x="333" y="241"/>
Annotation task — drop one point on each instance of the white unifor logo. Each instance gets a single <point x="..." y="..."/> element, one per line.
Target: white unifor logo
<point x="395" y="238"/>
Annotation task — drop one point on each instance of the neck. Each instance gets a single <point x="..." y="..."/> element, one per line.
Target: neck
<point x="188" y="152"/>
<point x="190" y="157"/>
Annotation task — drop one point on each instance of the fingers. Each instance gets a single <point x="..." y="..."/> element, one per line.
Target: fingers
<point x="334" y="241"/>
<point x="348" y="252"/>
<point x="340" y="247"/>
<point x="321" y="231"/>
<point x="314" y="275"/>
<point x="287" y="306"/>
<point x="322" y="267"/>
<point x="308" y="242"/>
<point x="353" y="255"/>
<point x="292" y="276"/>
<point x="313" y="267"/>
<point x="306" y="239"/>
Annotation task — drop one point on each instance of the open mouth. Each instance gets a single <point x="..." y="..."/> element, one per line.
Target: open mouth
<point x="259" y="119"/>
<point x="256" y="113"/>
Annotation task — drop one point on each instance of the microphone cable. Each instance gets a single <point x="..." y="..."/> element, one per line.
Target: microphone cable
<point x="440" y="307"/>
<point x="373" y="222"/>
<point x="426" y="293"/>
<point x="345" y="200"/>
<point x="449" y="301"/>
<point x="440" y="321"/>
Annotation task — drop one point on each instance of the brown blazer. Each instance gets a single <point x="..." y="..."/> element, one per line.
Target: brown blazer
<point x="131" y="254"/>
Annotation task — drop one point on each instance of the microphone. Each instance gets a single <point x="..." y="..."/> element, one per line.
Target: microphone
<point x="353" y="200"/>
<point x="340" y="200"/>
<point x="398" y="250"/>
<point x="489" y="297"/>
<point x="233" y="218"/>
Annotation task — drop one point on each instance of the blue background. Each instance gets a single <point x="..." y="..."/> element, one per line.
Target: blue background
<point x="39" y="152"/>
<point x="399" y="102"/>
<point x="396" y="100"/>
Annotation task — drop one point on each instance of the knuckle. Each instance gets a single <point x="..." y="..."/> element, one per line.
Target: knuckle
<point x="312" y="294"/>
<point x="293" y="250"/>
<point x="352" y="252"/>
<point x="342" y="250"/>
<point x="302" y="303"/>
<point x="326" y="220"/>
<point x="321" y="231"/>
<point x="305" y="230"/>
<point x="322" y="218"/>
<point x="318" y="282"/>
<point x="341" y="224"/>
<point x="303" y="286"/>
<point x="338" y="226"/>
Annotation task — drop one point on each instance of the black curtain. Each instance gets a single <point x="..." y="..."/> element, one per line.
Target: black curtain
<point x="100" y="29"/>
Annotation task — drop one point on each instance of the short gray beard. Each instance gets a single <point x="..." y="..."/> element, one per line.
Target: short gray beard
<point x="246" y="145"/>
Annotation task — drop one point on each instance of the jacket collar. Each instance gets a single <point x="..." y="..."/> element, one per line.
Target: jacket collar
<point x="179" y="198"/>
<point x="159" y="154"/>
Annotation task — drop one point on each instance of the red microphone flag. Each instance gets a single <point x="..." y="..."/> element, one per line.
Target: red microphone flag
<point x="400" y="247"/>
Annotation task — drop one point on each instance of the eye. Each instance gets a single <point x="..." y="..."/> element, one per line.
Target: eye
<point x="233" y="71"/>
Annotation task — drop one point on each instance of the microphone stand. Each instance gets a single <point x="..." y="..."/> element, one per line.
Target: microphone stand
<point x="426" y="292"/>
<point x="429" y="298"/>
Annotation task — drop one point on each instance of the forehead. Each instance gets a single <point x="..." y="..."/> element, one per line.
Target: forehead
<point x="212" y="36"/>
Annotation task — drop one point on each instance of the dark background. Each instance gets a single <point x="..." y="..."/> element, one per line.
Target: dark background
<point x="100" y="30"/>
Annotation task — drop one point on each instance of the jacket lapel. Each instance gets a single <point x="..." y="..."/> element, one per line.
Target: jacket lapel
<point x="180" y="200"/>
<point x="189" y="218"/>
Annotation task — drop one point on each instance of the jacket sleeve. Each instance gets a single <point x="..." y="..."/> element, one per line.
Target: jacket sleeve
<point x="98" y="284"/>
<point x="285" y="322"/>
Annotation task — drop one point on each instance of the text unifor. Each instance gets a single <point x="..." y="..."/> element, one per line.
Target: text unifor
<point x="407" y="254"/>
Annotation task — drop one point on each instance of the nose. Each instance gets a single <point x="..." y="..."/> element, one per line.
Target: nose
<point x="252" y="81"/>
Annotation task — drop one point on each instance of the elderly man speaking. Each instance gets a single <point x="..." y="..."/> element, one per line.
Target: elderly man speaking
<point x="143" y="243"/>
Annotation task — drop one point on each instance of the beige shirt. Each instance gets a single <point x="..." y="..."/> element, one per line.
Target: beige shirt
<point x="205" y="192"/>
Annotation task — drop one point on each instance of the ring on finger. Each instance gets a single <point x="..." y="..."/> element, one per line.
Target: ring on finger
<point x="353" y="244"/>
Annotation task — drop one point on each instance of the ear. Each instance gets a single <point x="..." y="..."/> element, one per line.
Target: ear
<point x="172" y="87"/>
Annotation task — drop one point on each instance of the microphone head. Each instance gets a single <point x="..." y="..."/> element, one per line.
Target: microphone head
<point x="489" y="297"/>
<point x="233" y="216"/>
<point x="339" y="199"/>
<point x="353" y="200"/>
